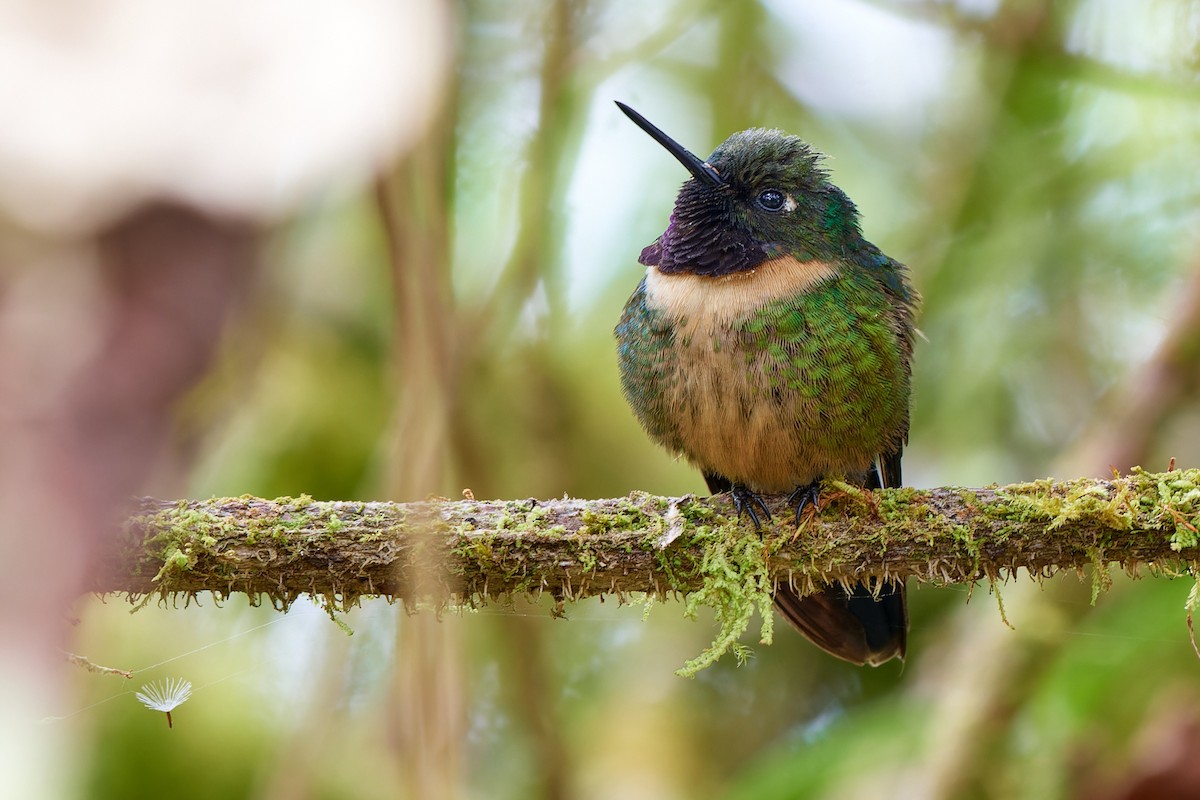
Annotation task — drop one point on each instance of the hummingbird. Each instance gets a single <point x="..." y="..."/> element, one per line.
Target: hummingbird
<point x="770" y="345"/>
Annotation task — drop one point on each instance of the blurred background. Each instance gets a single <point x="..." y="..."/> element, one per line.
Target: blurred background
<point x="377" y="252"/>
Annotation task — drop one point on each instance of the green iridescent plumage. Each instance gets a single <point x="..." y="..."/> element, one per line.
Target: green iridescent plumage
<point x="770" y="344"/>
<point x="829" y="367"/>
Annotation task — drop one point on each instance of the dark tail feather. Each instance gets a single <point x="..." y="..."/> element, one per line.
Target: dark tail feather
<point x="853" y="626"/>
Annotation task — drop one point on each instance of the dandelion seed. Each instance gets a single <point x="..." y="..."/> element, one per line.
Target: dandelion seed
<point x="165" y="696"/>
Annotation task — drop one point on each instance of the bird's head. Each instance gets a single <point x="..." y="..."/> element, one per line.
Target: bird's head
<point x="761" y="194"/>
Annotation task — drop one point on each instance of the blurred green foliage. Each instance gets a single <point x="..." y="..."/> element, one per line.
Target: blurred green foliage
<point x="1032" y="161"/>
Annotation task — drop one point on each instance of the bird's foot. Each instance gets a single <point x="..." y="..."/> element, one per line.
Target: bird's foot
<point x="744" y="500"/>
<point x="804" y="496"/>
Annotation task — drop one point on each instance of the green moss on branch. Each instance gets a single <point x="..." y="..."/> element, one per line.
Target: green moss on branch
<point x="474" y="552"/>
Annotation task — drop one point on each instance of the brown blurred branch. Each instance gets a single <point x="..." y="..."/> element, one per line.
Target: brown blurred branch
<point x="99" y="341"/>
<point x="533" y="258"/>
<point x="468" y="550"/>
<point x="1163" y="385"/>
<point x="1009" y="29"/>
<point x="427" y="717"/>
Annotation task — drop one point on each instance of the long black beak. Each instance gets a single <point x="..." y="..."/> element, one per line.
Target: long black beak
<point x="700" y="169"/>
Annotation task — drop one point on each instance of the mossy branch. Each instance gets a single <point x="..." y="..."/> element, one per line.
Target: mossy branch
<point x="472" y="552"/>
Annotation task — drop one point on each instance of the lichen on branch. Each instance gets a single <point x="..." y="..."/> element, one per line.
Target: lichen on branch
<point x="473" y="552"/>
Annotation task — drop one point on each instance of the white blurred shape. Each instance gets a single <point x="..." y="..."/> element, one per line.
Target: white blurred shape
<point x="244" y="106"/>
<point x="855" y="58"/>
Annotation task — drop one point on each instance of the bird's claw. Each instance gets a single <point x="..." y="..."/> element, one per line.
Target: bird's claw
<point x="744" y="500"/>
<point x="804" y="496"/>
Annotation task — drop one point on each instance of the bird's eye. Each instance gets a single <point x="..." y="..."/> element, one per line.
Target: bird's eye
<point x="771" y="200"/>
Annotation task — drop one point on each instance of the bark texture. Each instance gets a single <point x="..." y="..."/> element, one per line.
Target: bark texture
<point x="471" y="551"/>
